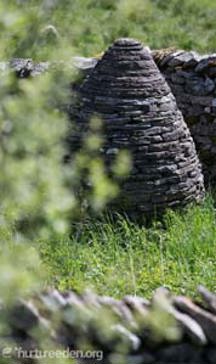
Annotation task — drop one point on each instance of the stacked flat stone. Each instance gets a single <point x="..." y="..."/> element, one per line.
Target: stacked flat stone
<point x="140" y="114"/>
<point x="192" y="79"/>
<point x="120" y="330"/>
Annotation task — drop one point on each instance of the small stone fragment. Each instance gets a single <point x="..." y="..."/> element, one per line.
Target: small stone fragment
<point x="24" y="316"/>
<point x="84" y="63"/>
<point x="204" y="63"/>
<point x="205" y="319"/>
<point x="129" y="339"/>
<point x="209" y="298"/>
<point x="53" y="300"/>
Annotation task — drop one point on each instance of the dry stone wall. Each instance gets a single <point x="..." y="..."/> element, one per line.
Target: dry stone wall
<point x="140" y="115"/>
<point x="167" y="329"/>
<point x="192" y="78"/>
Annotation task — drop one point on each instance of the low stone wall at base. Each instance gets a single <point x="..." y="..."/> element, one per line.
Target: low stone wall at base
<point x="167" y="329"/>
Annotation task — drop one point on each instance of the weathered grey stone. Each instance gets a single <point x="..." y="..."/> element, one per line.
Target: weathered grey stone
<point x="191" y="327"/>
<point x="205" y="319"/>
<point x="209" y="298"/>
<point x="24" y="316"/>
<point x="143" y="358"/>
<point x="177" y="78"/>
<point x="26" y="67"/>
<point x="53" y="300"/>
<point x="167" y="56"/>
<point x="211" y="356"/>
<point x="162" y="297"/>
<point x="81" y="320"/>
<point x="137" y="305"/>
<point x="90" y="299"/>
<point x="190" y="82"/>
<point x="178" y="354"/>
<point x="129" y="339"/>
<point x="197" y="86"/>
<point x="126" y="84"/>
<point x="205" y="62"/>
<point x="195" y="93"/>
<point x="84" y="63"/>
<point x="183" y="58"/>
<point x="119" y="308"/>
<point x="73" y="299"/>
<point x="211" y="71"/>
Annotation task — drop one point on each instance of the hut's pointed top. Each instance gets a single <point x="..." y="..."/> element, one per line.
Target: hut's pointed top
<point x="126" y="70"/>
<point x="126" y="42"/>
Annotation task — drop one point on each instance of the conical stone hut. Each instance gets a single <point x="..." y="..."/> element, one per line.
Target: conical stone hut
<point x="140" y="114"/>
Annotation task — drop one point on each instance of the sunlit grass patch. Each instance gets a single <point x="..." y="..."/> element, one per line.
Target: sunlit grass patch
<point x="119" y="257"/>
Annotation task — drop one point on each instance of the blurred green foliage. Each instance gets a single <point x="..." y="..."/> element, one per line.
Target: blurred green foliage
<point x="36" y="188"/>
<point x="34" y="194"/>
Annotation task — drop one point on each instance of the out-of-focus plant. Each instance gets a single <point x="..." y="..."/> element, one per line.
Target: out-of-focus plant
<point x="33" y="181"/>
<point x="99" y="181"/>
<point x="36" y="187"/>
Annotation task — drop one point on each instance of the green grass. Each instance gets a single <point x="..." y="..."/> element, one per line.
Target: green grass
<point x="118" y="258"/>
<point x="89" y="26"/>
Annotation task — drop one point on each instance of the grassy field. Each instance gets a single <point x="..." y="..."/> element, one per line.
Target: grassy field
<point x="89" y="26"/>
<point x="113" y="256"/>
<point x="119" y="257"/>
<point x="188" y="24"/>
